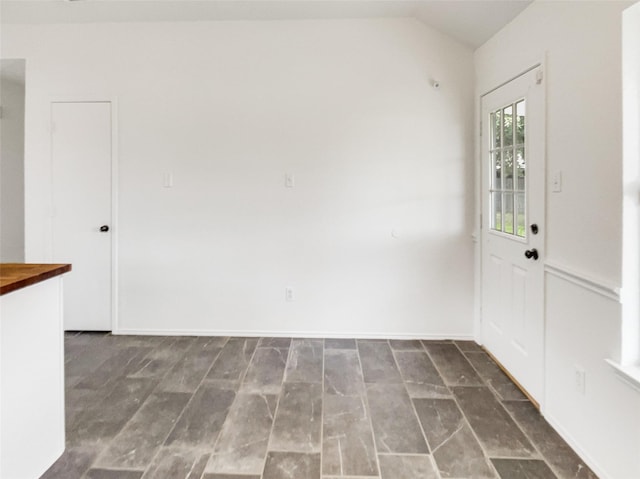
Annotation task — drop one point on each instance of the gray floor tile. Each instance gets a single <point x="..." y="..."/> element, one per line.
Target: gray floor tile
<point x="87" y="399"/>
<point x="106" y="417"/>
<point x="522" y="469"/>
<point x="274" y="343"/>
<point x="170" y="403"/>
<point x="497" y="432"/>
<point x="78" y="401"/>
<point x="420" y="375"/>
<point x="395" y="425"/>
<point x="73" y="463"/>
<point x="469" y="346"/>
<point x="197" y="470"/>
<point x="173" y="346"/>
<point x="209" y="342"/>
<point x="160" y="359"/>
<point x="136" y="445"/>
<point x="292" y="465"/>
<point x="203" y="418"/>
<point x="230" y="476"/>
<point x="552" y="447"/>
<point x="342" y="373"/>
<point x="339" y="343"/>
<point x="177" y="464"/>
<point x="440" y="418"/>
<point x="114" y="367"/>
<point x="223" y="384"/>
<point x="454" y="447"/>
<point x="298" y="421"/>
<point x="347" y="445"/>
<point x="266" y="371"/>
<point x="150" y="367"/>
<point x="406" y="467"/>
<point x="188" y="372"/>
<point x="134" y="340"/>
<point x="75" y="344"/>
<point x="85" y="335"/>
<point x="406" y="345"/>
<point x="305" y="361"/>
<point x="94" y="473"/>
<point x="88" y="360"/>
<point x="495" y="378"/>
<point x="242" y="445"/>
<point x="378" y="364"/>
<point x="452" y="365"/>
<point x="233" y="360"/>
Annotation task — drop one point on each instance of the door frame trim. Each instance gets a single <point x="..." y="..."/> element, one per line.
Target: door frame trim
<point x="515" y="77"/>
<point x="539" y="62"/>
<point x="113" y="101"/>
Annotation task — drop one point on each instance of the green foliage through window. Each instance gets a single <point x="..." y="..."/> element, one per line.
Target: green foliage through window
<point x="508" y="167"/>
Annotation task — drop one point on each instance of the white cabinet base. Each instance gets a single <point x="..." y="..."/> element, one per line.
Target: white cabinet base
<point x="31" y="380"/>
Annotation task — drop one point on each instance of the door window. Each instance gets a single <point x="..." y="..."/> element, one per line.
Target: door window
<point x="508" y="189"/>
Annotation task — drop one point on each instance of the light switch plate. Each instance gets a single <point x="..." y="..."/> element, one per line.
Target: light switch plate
<point x="580" y="380"/>
<point x="289" y="180"/>
<point x="556" y="182"/>
<point x="168" y="180"/>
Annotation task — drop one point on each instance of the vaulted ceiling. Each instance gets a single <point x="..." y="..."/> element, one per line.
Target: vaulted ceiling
<point x="472" y="22"/>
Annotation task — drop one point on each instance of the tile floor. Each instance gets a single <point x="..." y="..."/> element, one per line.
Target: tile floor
<point x="276" y="408"/>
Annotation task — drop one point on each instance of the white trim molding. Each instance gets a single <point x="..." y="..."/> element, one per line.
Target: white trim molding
<point x="293" y="334"/>
<point x="577" y="447"/>
<point x="629" y="375"/>
<point x="115" y="231"/>
<point x="596" y="285"/>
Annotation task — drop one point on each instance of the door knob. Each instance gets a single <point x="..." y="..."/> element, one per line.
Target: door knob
<point x="104" y="228"/>
<point x="531" y="253"/>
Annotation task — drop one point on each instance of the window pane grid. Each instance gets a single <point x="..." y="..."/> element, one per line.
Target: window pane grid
<point x="507" y="154"/>
<point x="509" y="148"/>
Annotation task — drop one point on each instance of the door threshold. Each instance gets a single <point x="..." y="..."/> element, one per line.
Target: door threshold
<point x="513" y="380"/>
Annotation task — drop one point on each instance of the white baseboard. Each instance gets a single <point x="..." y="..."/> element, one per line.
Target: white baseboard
<point x="290" y="334"/>
<point x="579" y="450"/>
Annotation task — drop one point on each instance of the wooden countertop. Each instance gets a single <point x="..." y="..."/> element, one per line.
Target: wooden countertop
<point x="15" y="276"/>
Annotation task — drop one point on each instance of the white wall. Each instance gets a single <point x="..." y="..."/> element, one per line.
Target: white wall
<point x="581" y="42"/>
<point x="630" y="353"/>
<point x="231" y="107"/>
<point x="12" y="95"/>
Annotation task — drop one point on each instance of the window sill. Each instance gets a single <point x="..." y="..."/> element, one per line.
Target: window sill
<point x="630" y="375"/>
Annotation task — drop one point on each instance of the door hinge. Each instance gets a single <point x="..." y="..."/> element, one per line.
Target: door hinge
<point x="539" y="76"/>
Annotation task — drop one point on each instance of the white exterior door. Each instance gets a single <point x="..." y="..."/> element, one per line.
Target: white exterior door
<point x="81" y="156"/>
<point x="513" y="228"/>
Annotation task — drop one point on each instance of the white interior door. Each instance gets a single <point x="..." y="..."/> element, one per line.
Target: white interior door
<point x="513" y="228"/>
<point x="81" y="155"/>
